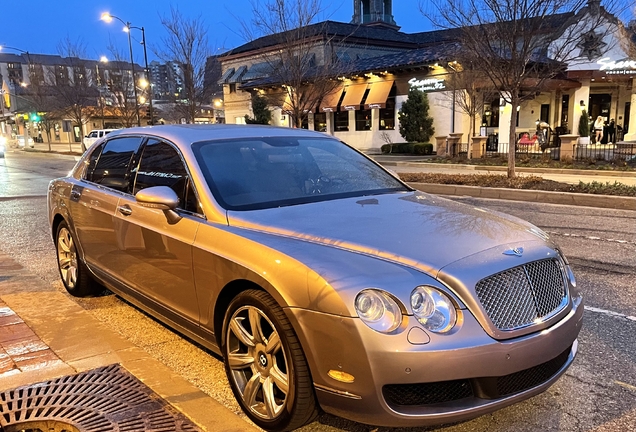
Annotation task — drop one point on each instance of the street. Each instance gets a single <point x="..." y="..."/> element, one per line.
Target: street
<point x="597" y="393"/>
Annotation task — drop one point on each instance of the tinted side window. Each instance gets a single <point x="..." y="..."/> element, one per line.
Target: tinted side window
<point x="161" y="165"/>
<point x="92" y="162"/>
<point x="115" y="159"/>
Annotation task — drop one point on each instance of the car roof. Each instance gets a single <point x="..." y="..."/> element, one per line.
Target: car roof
<point x="189" y="133"/>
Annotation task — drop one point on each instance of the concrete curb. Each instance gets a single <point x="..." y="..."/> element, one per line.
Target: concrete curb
<point x="567" y="198"/>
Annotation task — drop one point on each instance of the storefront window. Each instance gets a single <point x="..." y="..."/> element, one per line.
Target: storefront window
<point x="305" y="123"/>
<point x="363" y="120"/>
<point x="341" y="121"/>
<point x="320" y="122"/>
<point x="387" y="114"/>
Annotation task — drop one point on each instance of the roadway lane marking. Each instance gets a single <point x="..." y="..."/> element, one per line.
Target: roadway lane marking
<point x="610" y="313"/>
<point x="591" y="237"/>
<point x="625" y="385"/>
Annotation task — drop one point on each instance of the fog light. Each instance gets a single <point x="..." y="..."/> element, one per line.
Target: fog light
<point x="341" y="376"/>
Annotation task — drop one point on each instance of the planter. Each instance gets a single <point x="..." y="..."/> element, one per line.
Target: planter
<point x="583" y="140"/>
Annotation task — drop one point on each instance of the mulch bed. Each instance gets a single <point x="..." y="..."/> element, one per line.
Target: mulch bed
<point x="531" y="182"/>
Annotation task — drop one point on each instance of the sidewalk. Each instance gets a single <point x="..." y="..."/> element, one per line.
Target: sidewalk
<point x="44" y="334"/>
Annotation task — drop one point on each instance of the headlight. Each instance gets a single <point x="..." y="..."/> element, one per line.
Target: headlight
<point x="433" y="309"/>
<point x="378" y="310"/>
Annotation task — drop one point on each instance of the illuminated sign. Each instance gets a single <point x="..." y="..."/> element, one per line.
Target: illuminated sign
<point x="428" y="85"/>
<point x="621" y="67"/>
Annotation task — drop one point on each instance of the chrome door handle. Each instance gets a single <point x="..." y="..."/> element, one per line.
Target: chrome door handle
<point x="125" y="210"/>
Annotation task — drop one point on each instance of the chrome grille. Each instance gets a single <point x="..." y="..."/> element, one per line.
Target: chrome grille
<point x="521" y="295"/>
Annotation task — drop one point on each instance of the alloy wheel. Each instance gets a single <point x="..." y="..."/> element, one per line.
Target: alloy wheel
<point x="257" y="361"/>
<point x="67" y="257"/>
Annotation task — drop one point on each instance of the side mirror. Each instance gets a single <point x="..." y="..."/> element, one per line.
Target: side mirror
<point x="162" y="198"/>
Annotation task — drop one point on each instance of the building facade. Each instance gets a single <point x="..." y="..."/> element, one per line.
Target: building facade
<point x="34" y="85"/>
<point x="382" y="63"/>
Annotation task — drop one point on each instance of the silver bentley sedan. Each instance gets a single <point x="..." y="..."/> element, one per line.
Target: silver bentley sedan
<point x="323" y="280"/>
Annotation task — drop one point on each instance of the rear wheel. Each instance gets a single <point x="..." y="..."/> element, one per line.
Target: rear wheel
<point x="75" y="275"/>
<point x="265" y="364"/>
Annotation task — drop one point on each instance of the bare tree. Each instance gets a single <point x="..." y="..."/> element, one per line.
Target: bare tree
<point x="76" y="96"/>
<point x="303" y="58"/>
<point x="467" y="91"/>
<point x="187" y="44"/>
<point x="120" y="89"/>
<point x="520" y="44"/>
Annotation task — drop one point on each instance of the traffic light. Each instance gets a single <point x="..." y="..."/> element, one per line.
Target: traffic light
<point x="34" y="117"/>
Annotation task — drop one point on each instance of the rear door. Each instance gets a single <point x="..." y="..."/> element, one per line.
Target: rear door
<point x="93" y="201"/>
<point x="158" y="255"/>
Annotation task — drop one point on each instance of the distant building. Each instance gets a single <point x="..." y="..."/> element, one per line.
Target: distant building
<point x="27" y="77"/>
<point x="167" y="80"/>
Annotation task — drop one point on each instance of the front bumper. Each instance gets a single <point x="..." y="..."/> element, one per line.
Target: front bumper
<point x="389" y="368"/>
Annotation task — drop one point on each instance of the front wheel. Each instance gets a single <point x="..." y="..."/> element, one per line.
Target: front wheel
<point x="265" y="364"/>
<point x="75" y="275"/>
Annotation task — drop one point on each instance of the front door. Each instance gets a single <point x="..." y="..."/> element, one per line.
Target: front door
<point x="158" y="254"/>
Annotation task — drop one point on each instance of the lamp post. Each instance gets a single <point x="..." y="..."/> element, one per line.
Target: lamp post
<point x="107" y="17"/>
<point x="143" y="42"/>
<point x="102" y="59"/>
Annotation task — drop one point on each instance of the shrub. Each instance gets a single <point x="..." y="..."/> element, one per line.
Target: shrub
<point x="408" y="148"/>
<point x="415" y="123"/>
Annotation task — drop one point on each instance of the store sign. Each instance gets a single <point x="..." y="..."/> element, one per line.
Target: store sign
<point x="428" y="85"/>
<point x="621" y="67"/>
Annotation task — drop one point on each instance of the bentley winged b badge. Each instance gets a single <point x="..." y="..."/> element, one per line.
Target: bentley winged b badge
<point x="514" y="252"/>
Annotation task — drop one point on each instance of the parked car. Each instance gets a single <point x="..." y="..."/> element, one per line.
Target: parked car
<point x="324" y="281"/>
<point x="93" y="136"/>
<point x="20" y="140"/>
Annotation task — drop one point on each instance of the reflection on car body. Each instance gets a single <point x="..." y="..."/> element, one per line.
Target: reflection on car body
<point x="324" y="281"/>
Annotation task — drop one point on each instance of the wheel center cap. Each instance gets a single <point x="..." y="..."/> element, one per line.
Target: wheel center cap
<point x="262" y="360"/>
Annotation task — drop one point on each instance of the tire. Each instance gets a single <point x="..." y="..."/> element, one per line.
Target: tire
<point x="268" y="373"/>
<point x="75" y="276"/>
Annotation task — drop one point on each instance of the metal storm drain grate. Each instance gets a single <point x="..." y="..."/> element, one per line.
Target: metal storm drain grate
<point x="100" y="400"/>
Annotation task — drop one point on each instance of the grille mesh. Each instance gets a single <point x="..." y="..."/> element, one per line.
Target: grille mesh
<point x="427" y="393"/>
<point x="517" y="297"/>
<point x="529" y="378"/>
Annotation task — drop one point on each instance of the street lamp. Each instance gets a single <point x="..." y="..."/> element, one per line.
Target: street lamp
<point x="102" y="59"/>
<point x="107" y="17"/>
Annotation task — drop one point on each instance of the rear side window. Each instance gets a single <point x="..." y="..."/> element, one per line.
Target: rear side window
<point x="161" y="165"/>
<point x="113" y="163"/>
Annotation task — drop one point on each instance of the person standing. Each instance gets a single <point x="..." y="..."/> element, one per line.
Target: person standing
<point x="611" y="132"/>
<point x="598" y="129"/>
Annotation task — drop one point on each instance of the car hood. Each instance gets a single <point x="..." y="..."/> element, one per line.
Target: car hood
<point x="413" y="228"/>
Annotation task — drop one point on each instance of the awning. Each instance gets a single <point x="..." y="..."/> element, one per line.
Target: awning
<point x="330" y="101"/>
<point x="378" y="94"/>
<point x="353" y="96"/>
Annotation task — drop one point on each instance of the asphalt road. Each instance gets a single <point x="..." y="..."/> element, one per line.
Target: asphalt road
<point x="598" y="393"/>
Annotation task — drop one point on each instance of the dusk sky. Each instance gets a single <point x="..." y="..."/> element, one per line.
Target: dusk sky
<point x="39" y="25"/>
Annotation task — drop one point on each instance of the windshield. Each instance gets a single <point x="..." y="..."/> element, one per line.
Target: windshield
<point x="258" y="173"/>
